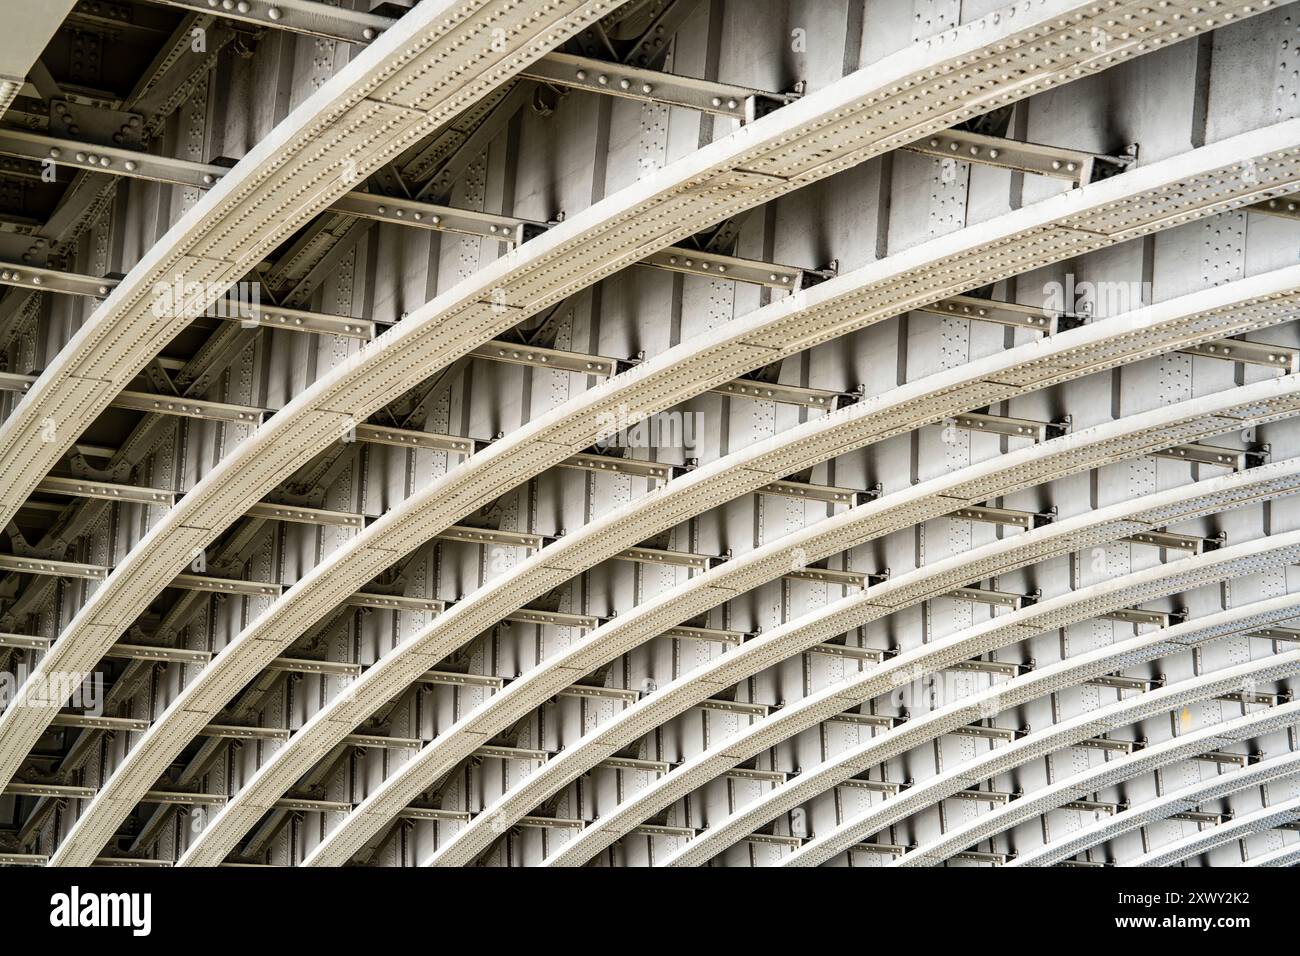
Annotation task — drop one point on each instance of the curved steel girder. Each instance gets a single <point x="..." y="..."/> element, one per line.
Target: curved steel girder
<point x="413" y="657"/>
<point x="430" y="65"/>
<point x="1080" y="785"/>
<point x="1283" y="856"/>
<point x="945" y="385"/>
<point x="434" y="62"/>
<point x="1066" y="733"/>
<point x="427" y="68"/>
<point x="757" y="654"/>
<point x="608" y="739"/>
<point x="460" y="615"/>
<point x="1205" y="841"/>
<point x="821" y="134"/>
<point x="1253" y="303"/>
<point x="1153" y="810"/>
<point x="1000" y="632"/>
<point x="365" y="559"/>
<point x="416" y="655"/>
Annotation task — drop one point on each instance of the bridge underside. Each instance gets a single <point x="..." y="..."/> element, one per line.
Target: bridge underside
<point x="649" y="432"/>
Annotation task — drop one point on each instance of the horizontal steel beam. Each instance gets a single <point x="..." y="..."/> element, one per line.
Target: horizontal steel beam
<point x="604" y="693"/>
<point x="554" y="359"/>
<point x="203" y="582"/>
<point x="159" y="404"/>
<point x="166" y="655"/>
<point x="664" y="557"/>
<point x="1009" y="314"/>
<point x="408" y="438"/>
<point x="409" y="212"/>
<point x="713" y="635"/>
<point x="240" y="732"/>
<point x="106" y="491"/>
<point x="302" y="665"/>
<point x="1187" y="543"/>
<point x="1004" y="516"/>
<point x="995" y="598"/>
<point x="615" y="465"/>
<point x="25" y="642"/>
<point x="851" y="579"/>
<point x="1285" y="360"/>
<point x="1137" y="615"/>
<point x="1010" y="427"/>
<point x="826" y="493"/>
<point x="527" y="615"/>
<point x="91" y="722"/>
<point x="1200" y="454"/>
<point x="1289" y="634"/>
<point x="1111" y="744"/>
<point x="395" y="602"/>
<point x="58" y="569"/>
<point x="271" y="511"/>
<point x="714" y="265"/>
<point x="310" y="17"/>
<point x="1120" y="682"/>
<point x="652" y="86"/>
<point x="248" y="312"/>
<point x="819" y="398"/>
<point x="873" y="655"/>
<point x="1072" y="165"/>
<point x="137" y="164"/>
<point x="455" y="679"/>
<point x="1225" y="758"/>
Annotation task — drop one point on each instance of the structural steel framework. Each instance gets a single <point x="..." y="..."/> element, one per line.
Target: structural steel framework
<point x="650" y="432"/>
